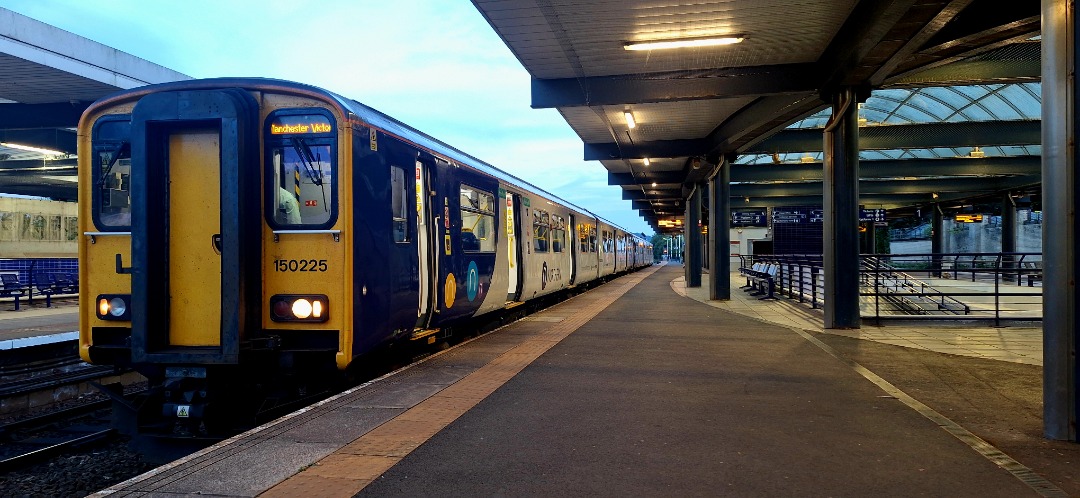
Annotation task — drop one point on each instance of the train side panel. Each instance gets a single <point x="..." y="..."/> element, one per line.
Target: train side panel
<point x="606" y="234"/>
<point x="546" y="257"/>
<point x="467" y="232"/>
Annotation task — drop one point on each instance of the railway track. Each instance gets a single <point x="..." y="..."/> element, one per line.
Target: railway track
<point x="36" y="439"/>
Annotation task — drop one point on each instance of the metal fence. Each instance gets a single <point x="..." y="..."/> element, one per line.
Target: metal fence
<point x="997" y="287"/>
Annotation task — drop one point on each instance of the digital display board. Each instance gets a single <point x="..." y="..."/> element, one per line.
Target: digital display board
<point x="300" y="124"/>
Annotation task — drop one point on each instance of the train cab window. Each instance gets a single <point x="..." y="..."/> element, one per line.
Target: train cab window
<point x="541" y="226"/>
<point x="477" y="220"/>
<point x="301" y="161"/>
<point x="399" y="193"/>
<point x="112" y="173"/>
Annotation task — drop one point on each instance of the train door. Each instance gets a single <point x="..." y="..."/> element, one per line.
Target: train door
<point x="195" y="192"/>
<point x="573" y="242"/>
<point x="513" y="245"/>
<point x="425" y="239"/>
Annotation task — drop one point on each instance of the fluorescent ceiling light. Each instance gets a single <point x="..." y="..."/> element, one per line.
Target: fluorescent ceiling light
<point x="630" y="123"/>
<point x="48" y="152"/>
<point x="685" y="42"/>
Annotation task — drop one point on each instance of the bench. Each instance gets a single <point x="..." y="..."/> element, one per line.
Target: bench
<point x="11" y="287"/>
<point x="761" y="280"/>
<point x="1033" y="270"/>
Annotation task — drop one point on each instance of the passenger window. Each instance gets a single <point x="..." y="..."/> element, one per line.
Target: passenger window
<point x="541" y="224"/>
<point x="558" y="233"/>
<point x="398" y="205"/>
<point x="477" y="220"/>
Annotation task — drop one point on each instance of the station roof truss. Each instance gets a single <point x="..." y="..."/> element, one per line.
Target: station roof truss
<point x="952" y="108"/>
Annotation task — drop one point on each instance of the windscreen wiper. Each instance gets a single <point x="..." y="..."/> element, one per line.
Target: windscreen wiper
<point x="112" y="161"/>
<point x="308" y="160"/>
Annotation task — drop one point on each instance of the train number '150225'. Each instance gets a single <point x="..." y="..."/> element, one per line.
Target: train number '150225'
<point x="300" y="264"/>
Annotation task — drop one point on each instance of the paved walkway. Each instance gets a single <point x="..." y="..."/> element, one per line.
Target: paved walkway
<point x="1011" y="344"/>
<point x="632" y="390"/>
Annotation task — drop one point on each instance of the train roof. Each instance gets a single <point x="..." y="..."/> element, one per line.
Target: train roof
<point x="364" y="113"/>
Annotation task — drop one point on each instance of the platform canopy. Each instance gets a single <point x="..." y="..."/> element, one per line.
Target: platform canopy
<point x="952" y="87"/>
<point x="48" y="76"/>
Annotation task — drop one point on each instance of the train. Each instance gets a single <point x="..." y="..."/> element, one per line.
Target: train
<point x="244" y="239"/>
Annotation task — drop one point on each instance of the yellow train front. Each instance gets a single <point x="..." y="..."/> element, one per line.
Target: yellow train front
<point x="213" y="255"/>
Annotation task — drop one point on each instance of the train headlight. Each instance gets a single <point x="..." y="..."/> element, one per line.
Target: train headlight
<point x="299" y="308"/>
<point x="114" y="307"/>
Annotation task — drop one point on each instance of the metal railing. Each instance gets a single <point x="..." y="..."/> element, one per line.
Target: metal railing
<point x="998" y="287"/>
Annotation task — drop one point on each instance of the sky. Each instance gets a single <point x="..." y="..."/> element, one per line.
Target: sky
<point x="436" y="65"/>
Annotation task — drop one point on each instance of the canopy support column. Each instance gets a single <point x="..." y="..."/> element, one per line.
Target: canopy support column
<point x="841" y="211"/>
<point x="719" y="233"/>
<point x="1060" y="266"/>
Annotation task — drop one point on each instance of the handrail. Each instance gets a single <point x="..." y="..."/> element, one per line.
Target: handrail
<point x="973" y="286"/>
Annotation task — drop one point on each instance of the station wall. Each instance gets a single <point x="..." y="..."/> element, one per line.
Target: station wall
<point x="38" y="228"/>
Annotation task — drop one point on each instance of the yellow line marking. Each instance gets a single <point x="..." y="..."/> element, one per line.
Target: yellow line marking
<point x="351" y="468"/>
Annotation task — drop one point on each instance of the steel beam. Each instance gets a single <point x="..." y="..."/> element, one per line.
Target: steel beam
<point x="912" y="136"/>
<point x="693" y="239"/>
<point x="56" y="115"/>
<point x="1061" y="267"/>
<point x="47" y="138"/>
<point x="841" y="206"/>
<point x="894" y="168"/>
<point x="622" y="89"/>
<point x="660" y="177"/>
<point x="973" y="186"/>
<point x="719" y="233"/>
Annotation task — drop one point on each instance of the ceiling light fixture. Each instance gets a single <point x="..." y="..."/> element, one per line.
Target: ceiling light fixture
<point x="48" y="152"/>
<point x="647" y="162"/>
<point x="630" y="123"/>
<point x="684" y="43"/>
<point x="654" y="184"/>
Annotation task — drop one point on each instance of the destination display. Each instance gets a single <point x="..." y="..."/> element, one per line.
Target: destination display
<point x="750" y="218"/>
<point x="300" y="124"/>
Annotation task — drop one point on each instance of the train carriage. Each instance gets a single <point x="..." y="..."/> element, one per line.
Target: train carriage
<point x="245" y="239"/>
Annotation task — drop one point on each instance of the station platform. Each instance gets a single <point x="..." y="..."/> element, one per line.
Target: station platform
<point x="634" y="389"/>
<point x="33" y="325"/>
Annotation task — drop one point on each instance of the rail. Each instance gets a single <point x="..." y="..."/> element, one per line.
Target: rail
<point x="997" y="287"/>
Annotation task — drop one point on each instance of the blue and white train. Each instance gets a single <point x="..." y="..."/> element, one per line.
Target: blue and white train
<point x="242" y="235"/>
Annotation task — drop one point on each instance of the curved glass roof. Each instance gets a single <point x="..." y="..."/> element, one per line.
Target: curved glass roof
<point x="953" y="104"/>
